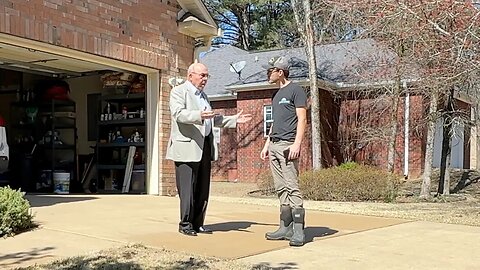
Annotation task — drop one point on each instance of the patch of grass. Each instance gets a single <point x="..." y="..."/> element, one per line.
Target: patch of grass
<point x="139" y="257"/>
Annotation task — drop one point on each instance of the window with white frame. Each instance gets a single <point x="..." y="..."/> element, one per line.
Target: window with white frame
<point x="267" y="119"/>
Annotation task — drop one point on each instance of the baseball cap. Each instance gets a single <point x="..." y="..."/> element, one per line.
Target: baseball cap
<point x="279" y="62"/>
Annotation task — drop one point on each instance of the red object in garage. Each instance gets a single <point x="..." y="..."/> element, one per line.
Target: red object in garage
<point x="57" y="90"/>
<point x="2" y="121"/>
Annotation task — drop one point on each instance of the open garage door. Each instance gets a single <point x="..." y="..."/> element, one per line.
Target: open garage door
<point x="56" y="100"/>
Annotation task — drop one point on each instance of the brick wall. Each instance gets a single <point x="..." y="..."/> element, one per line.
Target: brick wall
<point x="344" y="138"/>
<point x="242" y="148"/>
<point x="227" y="161"/>
<point x="140" y="32"/>
<point x="364" y="132"/>
<point x="250" y="137"/>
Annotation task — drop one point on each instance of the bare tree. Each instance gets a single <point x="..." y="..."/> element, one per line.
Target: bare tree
<point x="436" y="45"/>
<point x="303" y="17"/>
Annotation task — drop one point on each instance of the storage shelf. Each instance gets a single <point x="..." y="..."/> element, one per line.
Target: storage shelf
<point x="65" y="127"/>
<point x="31" y="126"/>
<point x="126" y="144"/>
<point x="123" y="122"/>
<point x="23" y="126"/>
<point x="110" y="152"/>
<point x="60" y="115"/>
<point x="58" y="146"/>
<point x="56" y="103"/>
<point x="124" y="97"/>
<point x="119" y="167"/>
<point x="58" y="168"/>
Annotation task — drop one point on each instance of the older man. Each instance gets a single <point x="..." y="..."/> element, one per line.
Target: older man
<point x="192" y="147"/>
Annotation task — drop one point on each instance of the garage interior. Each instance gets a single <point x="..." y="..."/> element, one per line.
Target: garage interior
<point x="71" y="126"/>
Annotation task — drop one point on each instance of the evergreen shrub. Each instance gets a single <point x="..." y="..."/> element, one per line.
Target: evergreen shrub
<point x="15" y="213"/>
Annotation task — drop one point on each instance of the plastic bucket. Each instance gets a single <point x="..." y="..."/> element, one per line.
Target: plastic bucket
<point x="61" y="182"/>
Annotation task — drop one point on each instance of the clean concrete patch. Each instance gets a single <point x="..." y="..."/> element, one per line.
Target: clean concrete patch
<point x="76" y="224"/>
<point x="415" y="245"/>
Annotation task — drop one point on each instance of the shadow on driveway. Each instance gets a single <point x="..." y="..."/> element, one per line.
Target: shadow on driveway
<point x="25" y="256"/>
<point x="313" y="232"/>
<point x="234" y="226"/>
<point x="310" y="232"/>
<point x="48" y="200"/>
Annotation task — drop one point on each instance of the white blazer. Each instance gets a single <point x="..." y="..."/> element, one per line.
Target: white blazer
<point x="187" y="134"/>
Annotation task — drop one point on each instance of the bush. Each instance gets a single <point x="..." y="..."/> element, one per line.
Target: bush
<point x="348" y="165"/>
<point x="265" y="183"/>
<point x="14" y="212"/>
<point x="349" y="182"/>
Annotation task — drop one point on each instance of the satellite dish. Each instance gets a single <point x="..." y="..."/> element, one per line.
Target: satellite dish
<point x="237" y="67"/>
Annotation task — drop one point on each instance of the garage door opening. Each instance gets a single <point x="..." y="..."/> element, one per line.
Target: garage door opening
<point x="76" y="126"/>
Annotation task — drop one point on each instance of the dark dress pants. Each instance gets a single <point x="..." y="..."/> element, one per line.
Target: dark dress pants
<point x="193" y="185"/>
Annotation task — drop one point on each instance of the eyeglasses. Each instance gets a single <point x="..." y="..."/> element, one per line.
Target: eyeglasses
<point x="203" y="75"/>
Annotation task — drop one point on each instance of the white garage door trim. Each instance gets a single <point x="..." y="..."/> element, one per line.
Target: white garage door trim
<point x="152" y="92"/>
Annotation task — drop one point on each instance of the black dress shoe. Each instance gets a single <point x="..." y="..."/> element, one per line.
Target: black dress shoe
<point x="189" y="232"/>
<point x="202" y="229"/>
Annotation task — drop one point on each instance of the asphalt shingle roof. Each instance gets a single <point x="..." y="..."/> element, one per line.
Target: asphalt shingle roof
<point x="347" y="62"/>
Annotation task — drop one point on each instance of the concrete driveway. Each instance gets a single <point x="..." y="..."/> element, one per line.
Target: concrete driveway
<point x="78" y="224"/>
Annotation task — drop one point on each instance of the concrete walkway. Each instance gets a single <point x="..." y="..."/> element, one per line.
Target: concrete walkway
<point x="78" y="224"/>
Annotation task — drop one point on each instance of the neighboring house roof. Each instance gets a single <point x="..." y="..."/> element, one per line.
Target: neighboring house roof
<point x="351" y="62"/>
<point x="218" y="63"/>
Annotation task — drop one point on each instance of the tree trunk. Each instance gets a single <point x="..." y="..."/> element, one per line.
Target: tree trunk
<point x="444" y="181"/>
<point x="242" y="13"/>
<point x="476" y="137"/>
<point x="305" y="28"/>
<point x="393" y="128"/>
<point x="314" y="91"/>
<point x="445" y="157"/>
<point x="427" y="171"/>
<point x="446" y="185"/>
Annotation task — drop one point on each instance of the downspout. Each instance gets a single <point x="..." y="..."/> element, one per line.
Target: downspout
<point x="406" y="130"/>
<point x="207" y="43"/>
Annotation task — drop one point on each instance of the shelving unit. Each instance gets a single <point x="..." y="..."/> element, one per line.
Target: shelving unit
<point x="45" y="142"/>
<point x="111" y="153"/>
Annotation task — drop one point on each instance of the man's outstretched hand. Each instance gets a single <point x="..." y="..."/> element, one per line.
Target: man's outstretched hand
<point x="243" y="117"/>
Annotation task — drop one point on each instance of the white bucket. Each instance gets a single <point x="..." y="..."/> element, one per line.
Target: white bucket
<point x="61" y="182"/>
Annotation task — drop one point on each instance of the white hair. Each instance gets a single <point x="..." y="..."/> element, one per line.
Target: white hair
<point x="193" y="67"/>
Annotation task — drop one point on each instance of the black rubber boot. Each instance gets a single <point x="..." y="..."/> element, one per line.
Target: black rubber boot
<point x="285" y="229"/>
<point x="298" y="237"/>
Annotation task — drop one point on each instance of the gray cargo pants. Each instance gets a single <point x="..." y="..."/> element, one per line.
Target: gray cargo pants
<point x="285" y="174"/>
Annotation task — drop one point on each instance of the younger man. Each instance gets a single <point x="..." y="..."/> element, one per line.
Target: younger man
<point x="283" y="149"/>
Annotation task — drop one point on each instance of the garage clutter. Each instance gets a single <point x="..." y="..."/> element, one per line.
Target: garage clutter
<point x="123" y="82"/>
<point x="42" y="154"/>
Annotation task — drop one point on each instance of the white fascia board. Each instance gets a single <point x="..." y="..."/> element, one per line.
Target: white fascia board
<point x="197" y="29"/>
<point x="464" y="97"/>
<point x="261" y="86"/>
<point x="222" y="97"/>
<point x="348" y="86"/>
<point x="323" y="84"/>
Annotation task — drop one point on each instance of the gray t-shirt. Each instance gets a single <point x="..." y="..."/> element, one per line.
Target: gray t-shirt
<point x="284" y="104"/>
